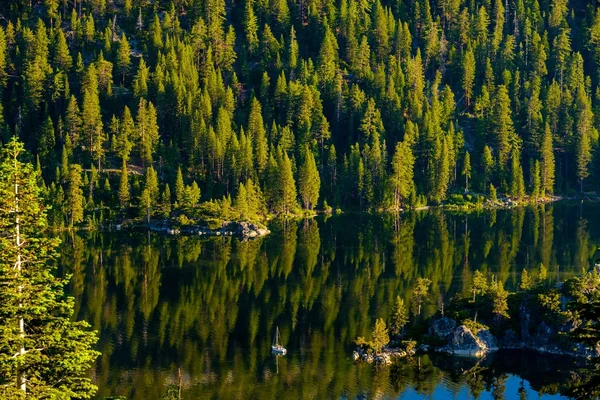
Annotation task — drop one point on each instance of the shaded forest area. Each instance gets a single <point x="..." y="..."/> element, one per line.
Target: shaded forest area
<point x="267" y="107"/>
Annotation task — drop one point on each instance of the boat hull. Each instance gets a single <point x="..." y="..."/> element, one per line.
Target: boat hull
<point x="278" y="350"/>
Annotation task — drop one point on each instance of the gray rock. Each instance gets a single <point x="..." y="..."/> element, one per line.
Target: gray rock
<point x="488" y="340"/>
<point x="464" y="343"/>
<point x="443" y="327"/>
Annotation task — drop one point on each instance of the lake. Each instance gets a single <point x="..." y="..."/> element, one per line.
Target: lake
<point x="203" y="311"/>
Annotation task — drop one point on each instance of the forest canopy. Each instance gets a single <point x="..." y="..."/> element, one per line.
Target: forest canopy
<point x="268" y="107"/>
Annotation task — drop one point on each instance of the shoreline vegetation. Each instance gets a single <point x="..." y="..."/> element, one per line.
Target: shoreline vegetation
<point x="555" y="318"/>
<point x="221" y="218"/>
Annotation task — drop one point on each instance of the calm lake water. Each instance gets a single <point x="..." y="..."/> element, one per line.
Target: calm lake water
<point x="208" y="307"/>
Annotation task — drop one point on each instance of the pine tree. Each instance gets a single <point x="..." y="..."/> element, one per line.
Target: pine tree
<point x="547" y="165"/>
<point x="479" y="285"/>
<point x="380" y="336"/>
<point x="327" y="61"/>
<point x="165" y="202"/>
<point x="517" y="182"/>
<point x="124" y="189"/>
<point x="257" y="134"/>
<point x="75" y="199"/>
<point x="526" y="282"/>
<point x="250" y="27"/>
<point x="487" y="162"/>
<point x="286" y="186"/>
<point x="492" y="193"/>
<point x="468" y="74"/>
<point x="62" y="56"/>
<point x="4" y="58"/>
<point x="241" y="202"/>
<point x="92" y="117"/>
<point x="309" y="181"/>
<point x="466" y="170"/>
<point x="125" y="135"/>
<point x="399" y="317"/>
<point x="124" y="57"/>
<point x="179" y="188"/>
<point x="140" y="82"/>
<point x="502" y="129"/>
<point x="421" y="291"/>
<point x="402" y="173"/>
<point x="147" y="131"/>
<point x="499" y="299"/>
<point x="44" y="352"/>
<point x="47" y="142"/>
<point x="191" y="196"/>
<point x="149" y="197"/>
<point x="584" y="128"/>
<point x="73" y="123"/>
<point x="536" y="180"/>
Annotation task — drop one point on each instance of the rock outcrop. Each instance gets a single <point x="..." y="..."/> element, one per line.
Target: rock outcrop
<point x="462" y="342"/>
<point x="442" y="327"/>
<point x="243" y="229"/>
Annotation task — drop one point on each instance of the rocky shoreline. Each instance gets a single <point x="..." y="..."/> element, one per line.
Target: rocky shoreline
<point x="462" y="341"/>
<point x="242" y="229"/>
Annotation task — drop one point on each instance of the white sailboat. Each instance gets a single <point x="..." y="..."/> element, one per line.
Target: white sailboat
<point x="277" y="347"/>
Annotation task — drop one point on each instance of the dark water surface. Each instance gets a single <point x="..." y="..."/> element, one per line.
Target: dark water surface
<point x="209" y="306"/>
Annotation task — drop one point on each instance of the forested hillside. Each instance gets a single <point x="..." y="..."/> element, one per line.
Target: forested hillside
<point x="265" y="107"/>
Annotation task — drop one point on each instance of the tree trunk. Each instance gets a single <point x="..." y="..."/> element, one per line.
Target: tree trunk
<point x="20" y="376"/>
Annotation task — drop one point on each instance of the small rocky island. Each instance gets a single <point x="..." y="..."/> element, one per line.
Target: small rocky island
<point x="241" y="229"/>
<point x="541" y="316"/>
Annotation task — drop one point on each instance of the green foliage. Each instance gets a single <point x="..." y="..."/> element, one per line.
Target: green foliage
<point x="44" y="352"/>
<point x="400" y="93"/>
<point x="399" y="317"/>
<point x="379" y="337"/>
<point x="421" y="291"/>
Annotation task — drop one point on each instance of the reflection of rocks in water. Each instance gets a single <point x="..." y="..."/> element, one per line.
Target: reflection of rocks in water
<point x="545" y="373"/>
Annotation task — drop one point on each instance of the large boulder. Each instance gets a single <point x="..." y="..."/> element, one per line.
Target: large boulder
<point x="488" y="340"/>
<point x="462" y="342"/>
<point x="443" y="327"/>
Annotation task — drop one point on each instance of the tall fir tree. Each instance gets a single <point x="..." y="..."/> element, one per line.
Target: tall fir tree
<point x="45" y="353"/>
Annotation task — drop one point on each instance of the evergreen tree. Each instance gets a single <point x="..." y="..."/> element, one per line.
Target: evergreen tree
<point x="179" y="187"/>
<point x="123" y="57"/>
<point x="468" y="75"/>
<point x="399" y="317"/>
<point x="75" y="199"/>
<point x="517" y="182"/>
<point x="126" y="134"/>
<point x="536" y="180"/>
<point x="257" y="134"/>
<point x="502" y="129"/>
<point x="421" y="291"/>
<point x="487" y="162"/>
<point x="466" y="171"/>
<point x="149" y="197"/>
<point x="286" y="186"/>
<point x="547" y="165"/>
<point x="241" y="202"/>
<point x="309" y="181"/>
<point x="45" y="353"/>
<point x="250" y="27"/>
<point x="479" y="285"/>
<point x="499" y="299"/>
<point x="124" y="189"/>
<point x="402" y="173"/>
<point x="380" y="335"/>
<point x="525" y="280"/>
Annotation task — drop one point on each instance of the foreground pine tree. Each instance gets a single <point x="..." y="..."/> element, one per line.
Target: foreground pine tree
<point x="43" y="353"/>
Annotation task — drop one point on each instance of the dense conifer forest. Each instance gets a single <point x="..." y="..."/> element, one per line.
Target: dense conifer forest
<point x="266" y="107"/>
